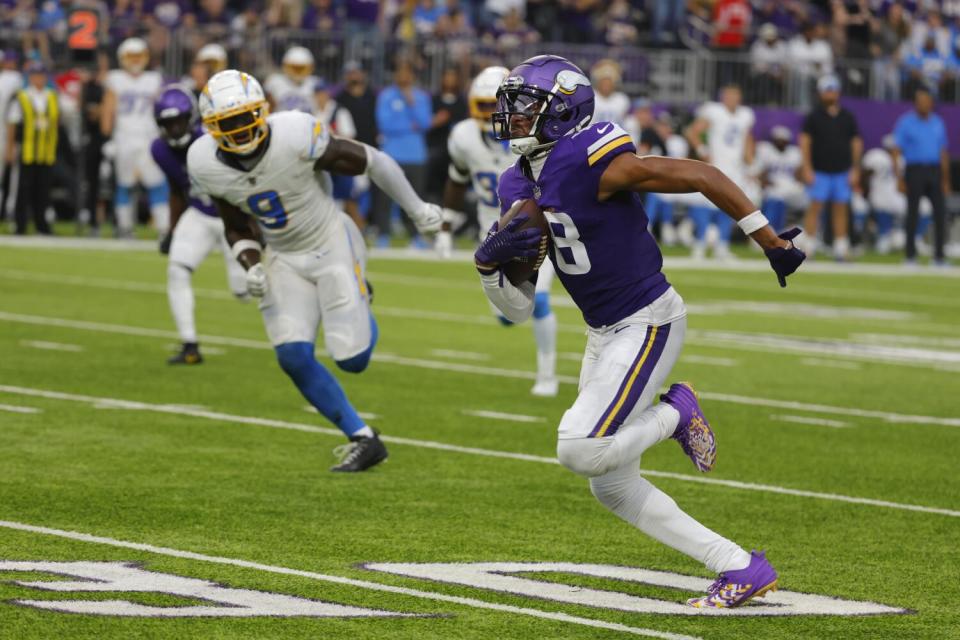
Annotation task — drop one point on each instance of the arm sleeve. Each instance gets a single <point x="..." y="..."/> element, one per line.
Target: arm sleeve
<point x="515" y="303"/>
<point x="387" y="174"/>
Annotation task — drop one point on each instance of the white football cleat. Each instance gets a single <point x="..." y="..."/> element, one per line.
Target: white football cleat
<point x="546" y="388"/>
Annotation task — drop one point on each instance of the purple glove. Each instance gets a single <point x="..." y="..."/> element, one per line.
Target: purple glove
<point x="786" y="260"/>
<point x="508" y="244"/>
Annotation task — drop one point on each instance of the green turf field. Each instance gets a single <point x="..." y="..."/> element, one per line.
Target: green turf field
<point x="835" y="403"/>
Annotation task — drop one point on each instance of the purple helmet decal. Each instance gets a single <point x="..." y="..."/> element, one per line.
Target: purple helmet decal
<point x="549" y="90"/>
<point x="176" y="113"/>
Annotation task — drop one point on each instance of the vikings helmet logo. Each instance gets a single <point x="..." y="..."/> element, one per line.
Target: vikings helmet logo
<point x="568" y="81"/>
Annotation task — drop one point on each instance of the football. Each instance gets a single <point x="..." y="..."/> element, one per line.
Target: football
<point x="519" y="271"/>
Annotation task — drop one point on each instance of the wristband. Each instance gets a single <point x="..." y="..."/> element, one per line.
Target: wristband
<point x="753" y="222"/>
<point x="242" y="245"/>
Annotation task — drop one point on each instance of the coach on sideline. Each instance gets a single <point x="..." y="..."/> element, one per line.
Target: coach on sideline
<point x="921" y="138"/>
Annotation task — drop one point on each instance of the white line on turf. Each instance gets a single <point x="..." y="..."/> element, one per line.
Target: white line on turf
<point x="309" y="408"/>
<point x="442" y="446"/>
<point x="497" y="415"/>
<point x="823" y="422"/>
<point x="460" y="355"/>
<point x="556" y="616"/>
<point x="16" y="408"/>
<point x="887" y="416"/>
<point x="831" y="364"/>
<point x="51" y="346"/>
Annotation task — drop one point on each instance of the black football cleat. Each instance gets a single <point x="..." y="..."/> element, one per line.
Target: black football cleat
<point x="360" y="454"/>
<point x="189" y="354"/>
<point x="369" y="290"/>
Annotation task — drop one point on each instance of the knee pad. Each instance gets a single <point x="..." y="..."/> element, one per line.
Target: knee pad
<point x="296" y="358"/>
<point x="159" y="194"/>
<point x="359" y="362"/>
<point x="583" y="456"/>
<point x="541" y="305"/>
<point x="121" y="196"/>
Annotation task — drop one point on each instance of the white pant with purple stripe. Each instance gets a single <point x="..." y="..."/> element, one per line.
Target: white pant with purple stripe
<point x="614" y="420"/>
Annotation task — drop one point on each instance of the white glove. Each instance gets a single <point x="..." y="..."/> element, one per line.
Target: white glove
<point x="443" y="244"/>
<point x="257" y="280"/>
<point x="429" y="218"/>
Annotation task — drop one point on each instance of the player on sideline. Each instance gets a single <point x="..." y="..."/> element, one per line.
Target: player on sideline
<point x="478" y="158"/>
<point x="588" y="181"/>
<point x="275" y="169"/>
<point x="196" y="229"/>
<point x="127" y="119"/>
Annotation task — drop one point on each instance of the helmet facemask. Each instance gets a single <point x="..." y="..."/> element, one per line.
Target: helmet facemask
<point x="520" y="116"/>
<point x="176" y="129"/>
<point x="239" y="131"/>
<point x="135" y="62"/>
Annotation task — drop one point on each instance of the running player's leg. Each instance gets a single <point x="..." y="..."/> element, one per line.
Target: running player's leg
<point x="125" y="177"/>
<point x="192" y="242"/>
<point x="545" y="334"/>
<point x="700" y="215"/>
<point x="158" y="193"/>
<point x="724" y="225"/>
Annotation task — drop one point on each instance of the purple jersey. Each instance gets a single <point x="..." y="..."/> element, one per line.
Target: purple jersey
<point x="603" y="253"/>
<point x="173" y="163"/>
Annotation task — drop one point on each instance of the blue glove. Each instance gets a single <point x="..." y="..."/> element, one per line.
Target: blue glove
<point x="786" y="260"/>
<point x="508" y="244"/>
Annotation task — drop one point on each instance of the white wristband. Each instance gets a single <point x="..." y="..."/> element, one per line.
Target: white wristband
<point x="753" y="222"/>
<point x="242" y="245"/>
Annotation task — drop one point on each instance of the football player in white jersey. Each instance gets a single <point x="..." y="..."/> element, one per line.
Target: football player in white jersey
<point x="274" y="170"/>
<point x="478" y="159"/>
<point x="611" y="104"/>
<point x="889" y="204"/>
<point x="728" y="127"/>
<point x="778" y="167"/>
<point x="126" y="117"/>
<point x="293" y="89"/>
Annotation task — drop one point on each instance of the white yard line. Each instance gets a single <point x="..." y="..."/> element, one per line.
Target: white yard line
<point x="442" y="446"/>
<point x="886" y="416"/>
<point x="497" y="415"/>
<point x="460" y="355"/>
<point x="16" y="408"/>
<point x="309" y="408"/>
<point x="51" y="346"/>
<point x="831" y="364"/>
<point x="556" y="616"/>
<point x="822" y="422"/>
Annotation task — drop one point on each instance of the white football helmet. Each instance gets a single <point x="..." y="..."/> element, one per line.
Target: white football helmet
<point x="483" y="95"/>
<point x="234" y="111"/>
<point x="214" y="56"/>
<point x="134" y="55"/>
<point x="298" y="64"/>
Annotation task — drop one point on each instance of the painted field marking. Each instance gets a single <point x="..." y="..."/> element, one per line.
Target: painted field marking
<point x="823" y="422"/>
<point x="309" y="408"/>
<point x="497" y="415"/>
<point x="556" y="616"/>
<point x="460" y="355"/>
<point x="51" y="346"/>
<point x="16" y="408"/>
<point x="886" y="416"/>
<point x="442" y="446"/>
<point x="831" y="364"/>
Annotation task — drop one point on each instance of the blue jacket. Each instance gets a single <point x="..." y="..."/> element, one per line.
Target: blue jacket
<point x="403" y="126"/>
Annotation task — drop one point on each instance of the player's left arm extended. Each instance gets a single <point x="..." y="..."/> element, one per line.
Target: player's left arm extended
<point x="628" y="172"/>
<point x="353" y="158"/>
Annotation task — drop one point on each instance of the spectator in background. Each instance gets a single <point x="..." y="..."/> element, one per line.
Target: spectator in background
<point x="93" y="208"/>
<point x="213" y="17"/>
<point x="931" y="27"/>
<point x="404" y="114"/>
<point x="621" y="21"/>
<point x="809" y="56"/>
<point x="576" y="20"/>
<point x="363" y="16"/>
<point x="10" y="83"/>
<point x="852" y="21"/>
<point x="768" y="59"/>
<point x="511" y="32"/>
<point x="320" y="15"/>
<point x="886" y="44"/>
<point x="610" y="104"/>
<point x="449" y="107"/>
<point x="921" y="137"/>
<point x="831" y="148"/>
<point x="668" y="16"/>
<point x="359" y="99"/>
<point x="426" y="15"/>
<point x="786" y="16"/>
<point x="33" y="127"/>
<point x="926" y="68"/>
<point x="731" y="23"/>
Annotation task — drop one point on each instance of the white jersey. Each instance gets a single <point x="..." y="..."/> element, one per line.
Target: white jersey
<point x="287" y="95"/>
<point x="613" y="108"/>
<point x="727" y="136"/>
<point x="478" y="159"/>
<point x="290" y="201"/>
<point x="781" y="169"/>
<point x="133" y="119"/>
<point x="10" y="83"/>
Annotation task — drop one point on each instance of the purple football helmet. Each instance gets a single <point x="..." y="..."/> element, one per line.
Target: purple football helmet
<point x="176" y="113"/>
<point x="540" y="101"/>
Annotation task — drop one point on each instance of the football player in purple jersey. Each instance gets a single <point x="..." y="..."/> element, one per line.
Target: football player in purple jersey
<point x="589" y="182"/>
<point x="195" y="227"/>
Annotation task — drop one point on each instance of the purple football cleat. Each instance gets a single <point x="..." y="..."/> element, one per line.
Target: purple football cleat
<point x="735" y="588"/>
<point x="693" y="433"/>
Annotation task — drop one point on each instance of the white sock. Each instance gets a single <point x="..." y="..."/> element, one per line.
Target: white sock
<point x="180" y="294"/>
<point x="545" y="334"/>
<point x="841" y="246"/>
<point x="365" y="432"/>
<point x="638" y="502"/>
<point x="161" y="217"/>
<point x="124" y="213"/>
